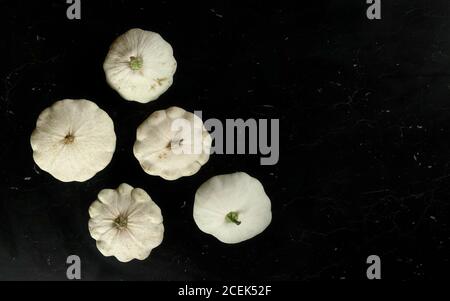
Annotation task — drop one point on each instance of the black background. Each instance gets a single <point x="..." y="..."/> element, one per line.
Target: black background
<point x="364" y="109"/>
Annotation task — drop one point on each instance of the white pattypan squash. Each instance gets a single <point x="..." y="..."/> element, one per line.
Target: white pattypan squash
<point x="232" y="207"/>
<point x="172" y="143"/>
<point x="126" y="223"/>
<point x="73" y="140"/>
<point x="140" y="65"/>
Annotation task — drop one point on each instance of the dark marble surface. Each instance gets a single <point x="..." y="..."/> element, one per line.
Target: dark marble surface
<point x="364" y="108"/>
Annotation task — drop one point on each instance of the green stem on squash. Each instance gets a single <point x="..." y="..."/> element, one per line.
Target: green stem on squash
<point x="136" y="63"/>
<point x="69" y="138"/>
<point x="233" y="217"/>
<point x="121" y="222"/>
